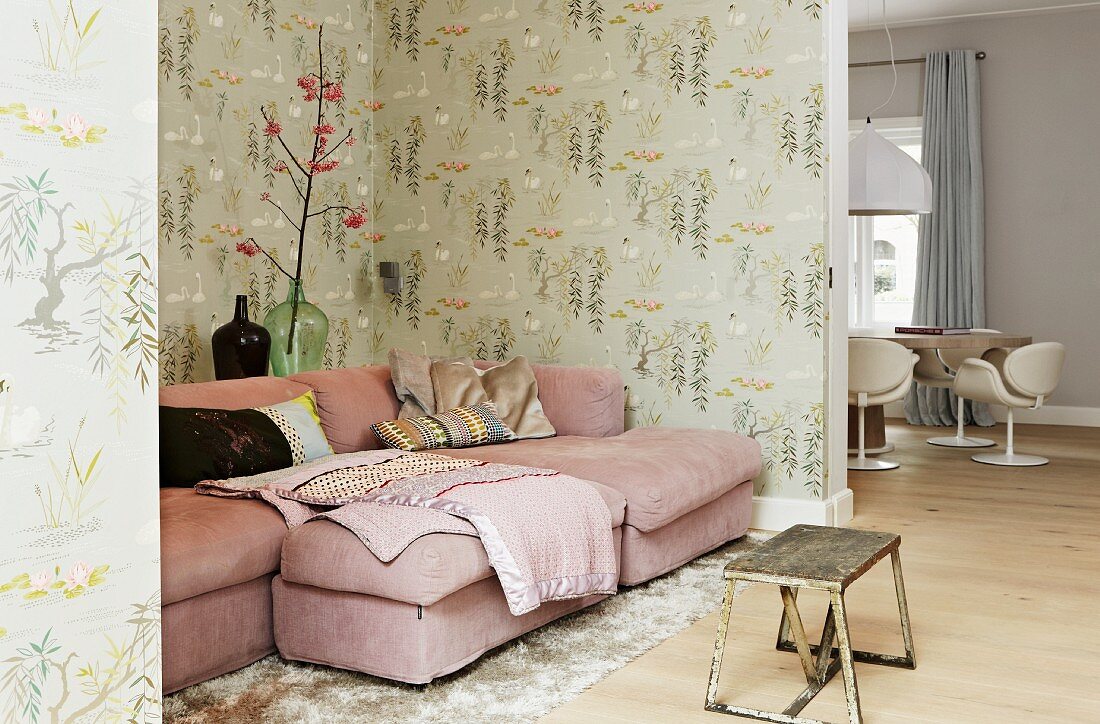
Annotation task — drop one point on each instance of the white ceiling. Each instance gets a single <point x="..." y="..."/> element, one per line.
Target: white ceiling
<point x="919" y="12"/>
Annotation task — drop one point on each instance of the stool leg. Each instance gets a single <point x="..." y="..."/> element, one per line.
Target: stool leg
<point x="825" y="648"/>
<point x="903" y="609"/>
<point x="809" y="666"/>
<point x="847" y="665"/>
<point x="720" y="644"/>
<point x="781" y="641"/>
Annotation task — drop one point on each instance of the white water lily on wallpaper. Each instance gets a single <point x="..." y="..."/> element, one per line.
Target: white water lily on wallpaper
<point x="633" y="185"/>
<point x="637" y="185"/>
<point x="79" y="582"/>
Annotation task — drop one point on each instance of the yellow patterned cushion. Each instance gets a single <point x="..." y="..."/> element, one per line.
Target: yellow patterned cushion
<point x="460" y="427"/>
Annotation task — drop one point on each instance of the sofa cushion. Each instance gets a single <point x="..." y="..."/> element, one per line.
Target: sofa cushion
<point x="467" y="426"/>
<point x="208" y="543"/>
<point x="412" y="381"/>
<point x="664" y="472"/>
<point x="202" y="443"/>
<point x="232" y="394"/>
<point x="349" y="401"/>
<point x="327" y="555"/>
<point x="584" y="401"/>
<point x="512" y="387"/>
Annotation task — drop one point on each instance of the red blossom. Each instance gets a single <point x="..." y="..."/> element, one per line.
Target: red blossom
<point x="322" y="144"/>
<point x="265" y="196"/>
<point x="309" y="84"/>
<point x="273" y="128"/>
<point x="354" y="220"/>
<point x="248" y="248"/>
<point x="279" y="167"/>
<point x="324" y="129"/>
<point x="333" y="92"/>
<point x="350" y="141"/>
<point x="317" y="167"/>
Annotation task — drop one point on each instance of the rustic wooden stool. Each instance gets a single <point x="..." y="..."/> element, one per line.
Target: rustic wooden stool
<point x="826" y="559"/>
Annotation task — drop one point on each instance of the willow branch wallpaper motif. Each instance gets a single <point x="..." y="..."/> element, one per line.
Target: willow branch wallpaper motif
<point x="79" y="581"/>
<point x="222" y="67"/>
<point x="637" y="185"/>
<point x="633" y="185"/>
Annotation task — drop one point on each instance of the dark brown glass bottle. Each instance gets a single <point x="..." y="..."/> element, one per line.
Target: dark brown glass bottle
<point x="240" y="347"/>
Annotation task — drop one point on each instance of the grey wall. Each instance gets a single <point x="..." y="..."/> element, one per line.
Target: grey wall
<point x="1040" y="105"/>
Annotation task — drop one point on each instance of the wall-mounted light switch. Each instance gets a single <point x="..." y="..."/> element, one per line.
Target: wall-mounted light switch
<point x="390" y="272"/>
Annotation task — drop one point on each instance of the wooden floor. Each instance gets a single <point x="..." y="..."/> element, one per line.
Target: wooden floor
<point x="1002" y="567"/>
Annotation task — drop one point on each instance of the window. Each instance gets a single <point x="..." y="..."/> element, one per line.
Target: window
<point x="885" y="268"/>
<point x="884" y="248"/>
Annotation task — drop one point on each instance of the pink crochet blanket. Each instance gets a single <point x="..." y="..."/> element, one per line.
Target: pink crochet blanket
<point x="547" y="535"/>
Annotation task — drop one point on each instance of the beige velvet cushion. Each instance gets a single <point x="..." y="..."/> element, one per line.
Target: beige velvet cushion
<point x="510" y="386"/>
<point x="412" y="381"/>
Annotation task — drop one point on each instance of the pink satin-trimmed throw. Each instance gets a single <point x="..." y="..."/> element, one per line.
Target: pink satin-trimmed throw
<point x="548" y="535"/>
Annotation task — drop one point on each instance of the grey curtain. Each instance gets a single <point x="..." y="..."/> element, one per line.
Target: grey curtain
<point x="950" y="289"/>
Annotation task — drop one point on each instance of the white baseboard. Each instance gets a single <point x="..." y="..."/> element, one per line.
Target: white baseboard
<point x="782" y="513"/>
<point x="1046" y="415"/>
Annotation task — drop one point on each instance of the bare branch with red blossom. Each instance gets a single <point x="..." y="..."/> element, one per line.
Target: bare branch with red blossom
<point x="250" y="248"/>
<point x="316" y="89"/>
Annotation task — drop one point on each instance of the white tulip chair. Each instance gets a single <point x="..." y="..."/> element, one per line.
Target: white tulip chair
<point x="936" y="368"/>
<point x="879" y="372"/>
<point x="1019" y="378"/>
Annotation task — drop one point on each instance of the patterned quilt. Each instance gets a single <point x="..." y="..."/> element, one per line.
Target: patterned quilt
<point x="547" y="535"/>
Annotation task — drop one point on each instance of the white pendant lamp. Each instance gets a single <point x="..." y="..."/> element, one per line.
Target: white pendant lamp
<point x="882" y="179"/>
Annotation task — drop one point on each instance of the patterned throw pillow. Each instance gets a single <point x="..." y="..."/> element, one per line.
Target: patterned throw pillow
<point x="206" y="444"/>
<point x="461" y="427"/>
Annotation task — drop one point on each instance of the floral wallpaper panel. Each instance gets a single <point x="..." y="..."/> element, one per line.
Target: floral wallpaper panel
<point x="79" y="534"/>
<point x="223" y="67"/>
<point x="635" y="185"/>
<point x="638" y="185"/>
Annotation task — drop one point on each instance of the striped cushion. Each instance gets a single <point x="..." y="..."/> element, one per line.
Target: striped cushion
<point x="461" y="427"/>
<point x="212" y="444"/>
<point x="299" y="422"/>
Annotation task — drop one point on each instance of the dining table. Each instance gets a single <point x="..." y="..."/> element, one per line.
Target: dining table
<point x="874" y="416"/>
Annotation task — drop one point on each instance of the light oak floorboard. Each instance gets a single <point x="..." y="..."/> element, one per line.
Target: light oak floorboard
<point x="1002" y="571"/>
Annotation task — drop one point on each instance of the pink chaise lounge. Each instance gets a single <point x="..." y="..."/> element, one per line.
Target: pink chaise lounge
<point x="237" y="586"/>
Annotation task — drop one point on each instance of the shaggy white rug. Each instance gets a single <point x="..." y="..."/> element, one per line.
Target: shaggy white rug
<point x="519" y="681"/>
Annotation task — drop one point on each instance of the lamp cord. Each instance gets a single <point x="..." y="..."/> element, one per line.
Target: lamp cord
<point x="893" y="67"/>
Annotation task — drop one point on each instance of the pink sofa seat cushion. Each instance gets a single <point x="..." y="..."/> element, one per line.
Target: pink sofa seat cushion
<point x="664" y="472"/>
<point x="326" y="555"/>
<point x="349" y="401"/>
<point x="209" y="543"/>
<point x="582" y="401"/>
<point x="232" y="394"/>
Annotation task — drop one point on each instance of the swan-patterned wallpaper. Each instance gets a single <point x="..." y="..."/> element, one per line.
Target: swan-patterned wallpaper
<point x="222" y="64"/>
<point x="79" y="534"/>
<point x="638" y="185"/>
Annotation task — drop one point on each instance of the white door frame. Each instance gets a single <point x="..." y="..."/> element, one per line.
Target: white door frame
<point x="837" y="495"/>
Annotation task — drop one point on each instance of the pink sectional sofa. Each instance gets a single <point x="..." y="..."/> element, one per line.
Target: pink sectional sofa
<point x="238" y="586"/>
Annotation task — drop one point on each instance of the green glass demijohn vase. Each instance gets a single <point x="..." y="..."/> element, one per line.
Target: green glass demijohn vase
<point x="304" y="350"/>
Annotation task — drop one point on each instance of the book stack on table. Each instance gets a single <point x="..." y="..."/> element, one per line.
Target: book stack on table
<point x="920" y="329"/>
